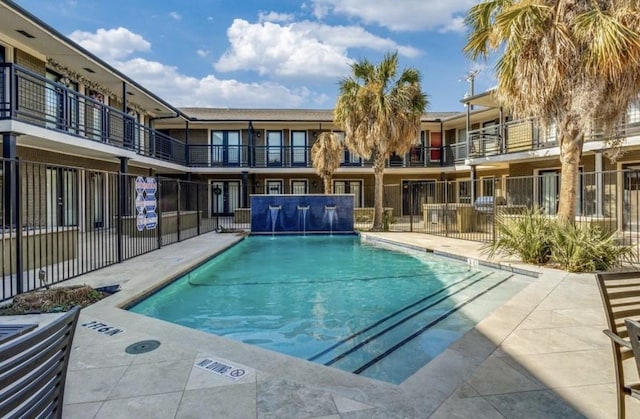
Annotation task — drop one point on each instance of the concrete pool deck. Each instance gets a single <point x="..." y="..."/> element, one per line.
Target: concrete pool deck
<point x="540" y="355"/>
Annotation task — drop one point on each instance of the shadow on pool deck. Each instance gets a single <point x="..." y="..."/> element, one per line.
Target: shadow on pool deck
<point x="542" y="354"/>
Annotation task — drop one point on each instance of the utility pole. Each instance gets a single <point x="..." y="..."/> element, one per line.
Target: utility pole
<point x="470" y="77"/>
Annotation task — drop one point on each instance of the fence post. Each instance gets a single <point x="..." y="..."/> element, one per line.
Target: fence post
<point x="411" y="205"/>
<point x="119" y="220"/>
<point x="445" y="216"/>
<point x="159" y="212"/>
<point x="197" y="184"/>
<point x="178" y="211"/>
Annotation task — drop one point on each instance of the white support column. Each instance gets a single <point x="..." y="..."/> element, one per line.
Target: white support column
<point x="599" y="185"/>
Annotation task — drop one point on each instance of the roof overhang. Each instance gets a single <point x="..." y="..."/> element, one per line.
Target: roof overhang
<point x="29" y="33"/>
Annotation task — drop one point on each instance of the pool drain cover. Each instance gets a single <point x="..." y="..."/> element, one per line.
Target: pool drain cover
<point x="142" y="347"/>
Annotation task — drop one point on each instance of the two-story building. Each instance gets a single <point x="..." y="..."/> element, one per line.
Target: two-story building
<point x="77" y="134"/>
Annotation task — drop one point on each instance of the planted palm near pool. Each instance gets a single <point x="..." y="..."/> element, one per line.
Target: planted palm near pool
<point x="368" y="308"/>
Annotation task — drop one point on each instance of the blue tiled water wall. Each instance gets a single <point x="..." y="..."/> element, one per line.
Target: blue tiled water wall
<point x="299" y="214"/>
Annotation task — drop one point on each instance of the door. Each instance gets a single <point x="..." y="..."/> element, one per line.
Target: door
<point x="62" y="197"/>
<point x="97" y="184"/>
<point x="415" y="194"/>
<point x="435" y="143"/>
<point x="225" y="148"/>
<point x="631" y="212"/>
<point x="274" y="148"/>
<point x="225" y="197"/>
<point x="299" y="148"/>
<point x="549" y="191"/>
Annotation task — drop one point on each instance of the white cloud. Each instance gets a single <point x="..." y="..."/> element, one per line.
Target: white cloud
<point x="455" y="25"/>
<point x="116" y="45"/>
<point x="209" y="91"/>
<point x="275" y="17"/>
<point x="298" y="49"/>
<point x="111" y="44"/>
<point x="409" y="15"/>
<point x="202" y="53"/>
<point x="175" y="16"/>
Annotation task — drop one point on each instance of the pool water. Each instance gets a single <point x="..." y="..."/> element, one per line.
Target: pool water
<point x="369" y="308"/>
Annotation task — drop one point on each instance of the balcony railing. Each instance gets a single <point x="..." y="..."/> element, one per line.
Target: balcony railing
<point x="525" y="135"/>
<point x="29" y="97"/>
<point x="300" y="156"/>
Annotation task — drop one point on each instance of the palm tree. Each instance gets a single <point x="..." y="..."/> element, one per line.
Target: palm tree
<point x="380" y="114"/>
<point x="325" y="156"/>
<point x="572" y="63"/>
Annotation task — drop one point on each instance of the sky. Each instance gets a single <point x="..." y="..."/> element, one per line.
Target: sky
<point x="270" y="54"/>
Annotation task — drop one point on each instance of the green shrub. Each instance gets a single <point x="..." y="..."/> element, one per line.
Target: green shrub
<point x="538" y="239"/>
<point x="527" y="236"/>
<point x="586" y="249"/>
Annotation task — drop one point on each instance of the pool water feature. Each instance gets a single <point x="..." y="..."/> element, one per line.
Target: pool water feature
<point x="369" y="308"/>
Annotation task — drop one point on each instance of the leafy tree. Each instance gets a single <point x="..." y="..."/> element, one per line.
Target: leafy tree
<point x="380" y="111"/>
<point x="325" y="156"/>
<point x="572" y="63"/>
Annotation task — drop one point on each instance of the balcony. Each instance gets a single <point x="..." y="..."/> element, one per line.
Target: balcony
<point x="300" y="157"/>
<point x="31" y="98"/>
<point x="524" y="135"/>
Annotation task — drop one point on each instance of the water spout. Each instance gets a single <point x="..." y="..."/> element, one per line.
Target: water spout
<point x="302" y="213"/>
<point x="330" y="215"/>
<point x="273" y="212"/>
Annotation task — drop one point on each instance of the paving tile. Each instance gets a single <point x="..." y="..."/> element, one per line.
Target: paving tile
<point x="91" y="385"/>
<point x="542" y="404"/>
<point x="495" y="376"/>
<point x="98" y="355"/>
<point x="238" y="402"/>
<point x="464" y="408"/>
<point x="157" y="378"/>
<point x="597" y="401"/>
<point x="157" y="406"/>
<point x="570" y="369"/>
<point x="348" y="405"/>
<point x="372" y="414"/>
<point x="280" y="399"/>
<point x="80" y="410"/>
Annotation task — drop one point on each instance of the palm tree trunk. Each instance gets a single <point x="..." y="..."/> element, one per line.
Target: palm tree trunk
<point x="378" y="173"/>
<point x="571" y="141"/>
<point x="327" y="185"/>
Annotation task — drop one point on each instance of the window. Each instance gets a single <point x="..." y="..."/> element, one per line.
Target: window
<point x="274" y="148"/>
<point x="633" y="113"/>
<point x="299" y="187"/>
<point x="274" y="187"/>
<point x="349" y="187"/>
<point x="299" y="148"/>
<point x="225" y="148"/>
<point x="348" y="158"/>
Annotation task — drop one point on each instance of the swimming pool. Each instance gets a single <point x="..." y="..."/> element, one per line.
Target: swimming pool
<point x="369" y="308"/>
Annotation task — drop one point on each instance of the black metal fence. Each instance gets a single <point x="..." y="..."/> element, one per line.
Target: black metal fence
<point x="468" y="209"/>
<point x="59" y="222"/>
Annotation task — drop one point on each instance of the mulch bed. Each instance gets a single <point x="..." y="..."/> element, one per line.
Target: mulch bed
<point x="53" y="300"/>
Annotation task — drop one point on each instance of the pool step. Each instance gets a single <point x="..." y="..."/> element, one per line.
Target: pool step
<point x="362" y="350"/>
<point x="402" y="313"/>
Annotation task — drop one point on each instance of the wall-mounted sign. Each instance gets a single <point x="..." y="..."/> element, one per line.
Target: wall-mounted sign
<point x="146" y="203"/>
